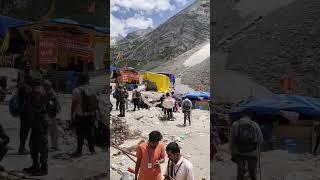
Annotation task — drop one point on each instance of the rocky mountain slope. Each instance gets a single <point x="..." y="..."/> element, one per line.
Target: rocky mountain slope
<point x="135" y="34"/>
<point x="286" y="38"/>
<point x="83" y="11"/>
<point x="114" y="40"/>
<point x="182" y="32"/>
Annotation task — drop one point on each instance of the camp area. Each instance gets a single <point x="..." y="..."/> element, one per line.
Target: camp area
<point x="51" y="55"/>
<point x="159" y="83"/>
<point x="149" y="97"/>
<point x="58" y="47"/>
<point x="289" y="125"/>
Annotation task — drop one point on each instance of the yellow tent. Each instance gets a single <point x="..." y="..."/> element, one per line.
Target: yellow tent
<point x="162" y="81"/>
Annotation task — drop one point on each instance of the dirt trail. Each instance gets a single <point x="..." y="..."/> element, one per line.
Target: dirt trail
<point x="194" y="139"/>
<point x="293" y="166"/>
<point x="230" y="86"/>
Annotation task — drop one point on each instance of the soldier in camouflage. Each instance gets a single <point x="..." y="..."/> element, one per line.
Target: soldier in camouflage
<point x="39" y="126"/>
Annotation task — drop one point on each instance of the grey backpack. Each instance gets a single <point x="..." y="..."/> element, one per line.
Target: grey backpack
<point x="246" y="139"/>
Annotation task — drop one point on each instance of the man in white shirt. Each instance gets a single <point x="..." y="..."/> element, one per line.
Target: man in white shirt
<point x="178" y="167"/>
<point x="168" y="104"/>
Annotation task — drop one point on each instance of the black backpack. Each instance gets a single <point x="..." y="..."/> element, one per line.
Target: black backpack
<point x="186" y="106"/>
<point x="246" y="140"/>
<point x="89" y="100"/>
<point x="14" y="106"/>
<point x="38" y="99"/>
<point x="138" y="94"/>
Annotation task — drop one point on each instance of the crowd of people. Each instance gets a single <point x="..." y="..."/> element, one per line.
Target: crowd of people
<point x="36" y="104"/>
<point x="168" y="103"/>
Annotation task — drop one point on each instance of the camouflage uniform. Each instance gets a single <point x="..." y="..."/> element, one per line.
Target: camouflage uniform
<point x="39" y="129"/>
<point x="24" y="99"/>
<point x="122" y="100"/>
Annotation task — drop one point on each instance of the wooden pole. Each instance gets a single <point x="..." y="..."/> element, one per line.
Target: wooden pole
<point x="125" y="152"/>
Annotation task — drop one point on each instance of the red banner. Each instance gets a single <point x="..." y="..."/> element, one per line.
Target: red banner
<point x="48" y="50"/>
<point x="79" y="45"/>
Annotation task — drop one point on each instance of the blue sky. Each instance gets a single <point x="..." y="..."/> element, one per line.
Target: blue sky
<point x="130" y="15"/>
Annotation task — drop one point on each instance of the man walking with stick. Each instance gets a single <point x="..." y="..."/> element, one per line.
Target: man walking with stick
<point x="245" y="141"/>
<point x="186" y="109"/>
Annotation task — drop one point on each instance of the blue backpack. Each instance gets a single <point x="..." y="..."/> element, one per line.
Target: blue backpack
<point x="14" y="106"/>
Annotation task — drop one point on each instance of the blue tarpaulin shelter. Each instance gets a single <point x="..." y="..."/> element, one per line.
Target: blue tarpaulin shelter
<point x="89" y="26"/>
<point x="196" y="95"/>
<point x="8" y="22"/>
<point x="272" y="104"/>
<point x="113" y="68"/>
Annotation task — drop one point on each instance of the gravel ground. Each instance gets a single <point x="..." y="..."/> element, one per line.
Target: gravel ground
<point x="293" y="166"/>
<point x="194" y="140"/>
<point x="60" y="165"/>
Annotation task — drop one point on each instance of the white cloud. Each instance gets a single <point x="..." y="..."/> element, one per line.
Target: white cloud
<point x="144" y="5"/>
<point x="117" y="26"/>
<point x="142" y="9"/>
<point x="115" y="8"/>
<point x="181" y="2"/>
<point x="122" y="26"/>
<point x="139" y="22"/>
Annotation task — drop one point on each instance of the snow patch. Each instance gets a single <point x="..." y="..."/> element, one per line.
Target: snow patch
<point x="198" y="56"/>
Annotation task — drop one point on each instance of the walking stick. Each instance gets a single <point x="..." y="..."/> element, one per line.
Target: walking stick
<point x="259" y="154"/>
<point x="125" y="152"/>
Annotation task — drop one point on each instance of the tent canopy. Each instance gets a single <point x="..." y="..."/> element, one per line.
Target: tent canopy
<point x="113" y="68"/>
<point x="170" y="75"/>
<point x="8" y="22"/>
<point x="89" y="26"/>
<point x="272" y="104"/>
<point x="162" y="81"/>
<point x="196" y="95"/>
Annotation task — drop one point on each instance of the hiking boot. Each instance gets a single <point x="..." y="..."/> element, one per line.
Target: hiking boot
<point x="23" y="152"/>
<point x="32" y="169"/>
<point x="53" y="149"/>
<point x="1" y="168"/>
<point x="40" y="172"/>
<point x="93" y="153"/>
<point x="76" y="154"/>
